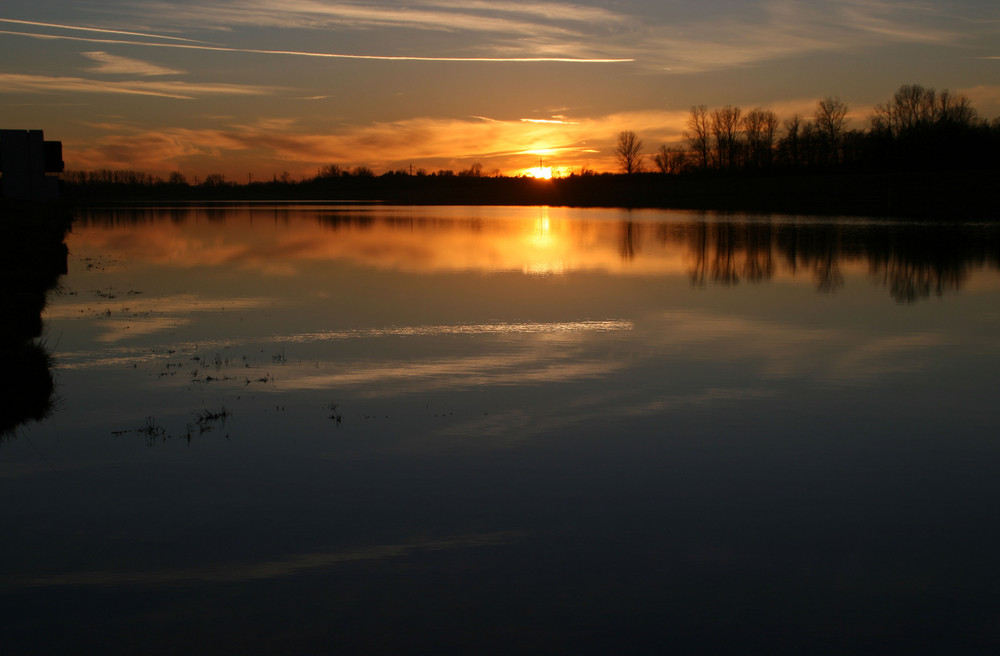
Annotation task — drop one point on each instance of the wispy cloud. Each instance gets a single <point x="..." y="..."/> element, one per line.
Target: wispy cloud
<point x="986" y="97"/>
<point x="475" y="31"/>
<point x="895" y="21"/>
<point x="771" y="30"/>
<point x="439" y="15"/>
<point x="556" y="11"/>
<point x="552" y="121"/>
<point x="327" y="55"/>
<point x="447" y="142"/>
<point x="93" y="29"/>
<point x="682" y="39"/>
<point x="13" y="82"/>
<point x="117" y="65"/>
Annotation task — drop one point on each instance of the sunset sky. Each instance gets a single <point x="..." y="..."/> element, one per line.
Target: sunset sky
<point x="259" y="87"/>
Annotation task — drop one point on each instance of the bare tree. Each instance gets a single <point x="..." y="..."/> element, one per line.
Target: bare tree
<point x="330" y="171"/>
<point x="214" y="180"/>
<point x="726" y="130"/>
<point x="760" y="127"/>
<point x="954" y="109"/>
<point x="913" y="107"/>
<point x="769" y="135"/>
<point x="662" y="159"/>
<point x="753" y="127"/>
<point x="791" y="142"/>
<point x="699" y="134"/>
<point x="629" y="151"/>
<point x="809" y="146"/>
<point x="474" y="171"/>
<point x="670" y="160"/>
<point x="831" y="117"/>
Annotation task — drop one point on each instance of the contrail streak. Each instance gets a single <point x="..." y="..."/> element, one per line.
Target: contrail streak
<point x="92" y="29"/>
<point x="329" y="55"/>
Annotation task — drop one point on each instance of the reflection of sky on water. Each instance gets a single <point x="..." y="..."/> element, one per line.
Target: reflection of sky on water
<point x="298" y="564"/>
<point x="355" y="399"/>
<point x="489" y="308"/>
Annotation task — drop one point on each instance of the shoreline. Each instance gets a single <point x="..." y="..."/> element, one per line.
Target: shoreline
<point x="943" y="195"/>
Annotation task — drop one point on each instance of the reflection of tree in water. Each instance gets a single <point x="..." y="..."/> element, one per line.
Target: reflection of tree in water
<point x="699" y="245"/>
<point x="628" y="237"/>
<point x="32" y="257"/>
<point x="723" y="266"/>
<point x="727" y="252"/>
<point x="931" y="258"/>
<point x="758" y="264"/>
<point x="815" y="248"/>
<point x="913" y="261"/>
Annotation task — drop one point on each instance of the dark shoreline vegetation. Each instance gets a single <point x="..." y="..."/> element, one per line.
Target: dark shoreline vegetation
<point x="923" y="194"/>
<point x="33" y="256"/>
<point x="923" y="154"/>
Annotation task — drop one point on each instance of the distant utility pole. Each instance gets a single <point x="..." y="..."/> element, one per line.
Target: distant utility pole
<point x="250" y="177"/>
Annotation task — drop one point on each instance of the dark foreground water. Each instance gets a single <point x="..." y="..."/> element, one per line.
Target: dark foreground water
<point x="306" y="429"/>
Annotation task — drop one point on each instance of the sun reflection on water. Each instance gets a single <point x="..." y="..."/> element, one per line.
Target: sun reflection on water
<point x="545" y="248"/>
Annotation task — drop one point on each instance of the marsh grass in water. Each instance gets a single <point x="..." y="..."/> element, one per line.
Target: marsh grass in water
<point x="335" y="414"/>
<point x="202" y="422"/>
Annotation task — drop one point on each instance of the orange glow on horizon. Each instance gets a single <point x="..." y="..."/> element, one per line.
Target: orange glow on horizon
<point x="541" y="172"/>
<point x="265" y="148"/>
<point x="532" y="240"/>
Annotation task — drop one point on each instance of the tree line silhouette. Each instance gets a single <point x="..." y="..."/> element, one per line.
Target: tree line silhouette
<point x="918" y="128"/>
<point x="921" y="153"/>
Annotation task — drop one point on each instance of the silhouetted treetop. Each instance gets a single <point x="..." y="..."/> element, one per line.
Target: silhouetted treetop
<point x="629" y="152"/>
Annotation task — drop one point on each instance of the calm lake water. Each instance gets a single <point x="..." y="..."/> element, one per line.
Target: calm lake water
<point x="358" y="428"/>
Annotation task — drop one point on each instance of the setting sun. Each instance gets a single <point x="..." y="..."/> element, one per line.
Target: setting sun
<point x="543" y="172"/>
